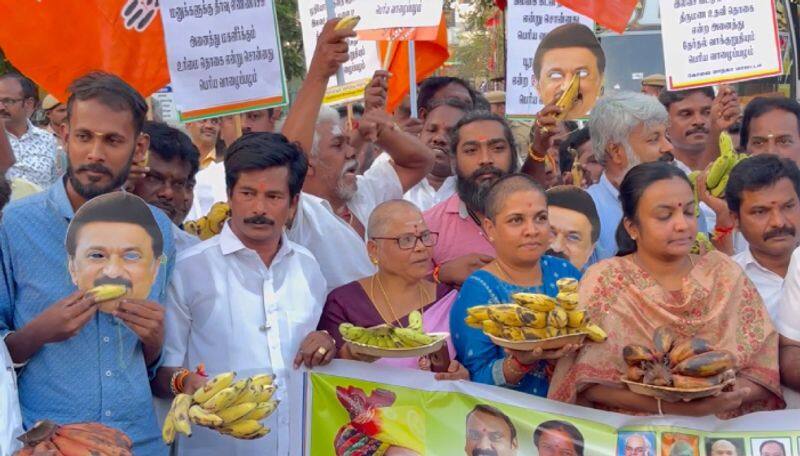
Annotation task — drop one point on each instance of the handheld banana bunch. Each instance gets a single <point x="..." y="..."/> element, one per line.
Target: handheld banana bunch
<point x="702" y="243"/>
<point x="390" y="337"/>
<point x="536" y="316"/>
<point x="211" y="224"/>
<point x="348" y="22"/>
<point x="106" y="295"/>
<point x="234" y="408"/>
<point x="684" y="364"/>
<point x="717" y="177"/>
<point x="570" y="96"/>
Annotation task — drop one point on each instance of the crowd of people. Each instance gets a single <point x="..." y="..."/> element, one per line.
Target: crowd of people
<point x="364" y="217"/>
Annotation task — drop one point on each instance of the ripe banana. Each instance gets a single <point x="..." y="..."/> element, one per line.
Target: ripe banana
<point x="569" y="97"/>
<point x="262" y="410"/>
<point x="513" y="333"/>
<point x="221" y="400"/>
<point x="473" y="322"/>
<point x="567" y="285"/>
<point x="235" y="412"/>
<point x="479" y="313"/>
<point x="535" y="302"/>
<point x="214" y="386"/>
<point x="262" y="380"/>
<point x="493" y="328"/>
<point x="557" y="318"/>
<point x="512" y="315"/>
<point x="347" y="22"/>
<point x="663" y="340"/>
<point x="535" y="334"/>
<point x="595" y="333"/>
<point x="168" y="430"/>
<point x="568" y="300"/>
<point x="265" y="393"/>
<point x="688" y="348"/>
<point x="706" y="364"/>
<point x="575" y="318"/>
<point x="180" y="413"/>
<point x="199" y="415"/>
<point x="635" y="354"/>
<point x="102" y="293"/>
<point x="241" y="428"/>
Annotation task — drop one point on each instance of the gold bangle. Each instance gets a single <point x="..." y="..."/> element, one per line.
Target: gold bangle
<point x="534" y="156"/>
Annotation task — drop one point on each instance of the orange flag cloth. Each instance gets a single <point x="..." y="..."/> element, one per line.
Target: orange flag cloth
<point x="612" y="14"/>
<point x="430" y="55"/>
<point x="55" y="41"/>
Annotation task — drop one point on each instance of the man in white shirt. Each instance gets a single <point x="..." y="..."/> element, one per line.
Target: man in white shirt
<point x="763" y="197"/>
<point x="249" y="299"/>
<point x="35" y="150"/>
<point x="788" y="325"/>
<point x="10" y="416"/>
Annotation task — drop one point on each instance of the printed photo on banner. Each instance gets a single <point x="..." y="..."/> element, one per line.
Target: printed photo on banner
<point x="558" y="438"/>
<point x="636" y="444"/>
<point x="490" y="432"/>
<point x="778" y="446"/>
<point x="114" y="247"/>
<point x="679" y="444"/>
<point x="724" y="446"/>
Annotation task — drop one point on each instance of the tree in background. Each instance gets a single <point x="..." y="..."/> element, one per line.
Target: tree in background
<point x="291" y="39"/>
<point x="479" y="54"/>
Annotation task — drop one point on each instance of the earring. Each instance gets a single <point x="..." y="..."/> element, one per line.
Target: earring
<point x="374" y="261"/>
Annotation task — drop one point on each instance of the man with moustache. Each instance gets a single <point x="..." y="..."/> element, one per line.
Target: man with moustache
<point x="81" y="365"/>
<point x="772" y="126"/>
<point x="689" y="125"/>
<point x="483" y="150"/>
<point x="558" y="438"/>
<point x="204" y="134"/>
<point x="249" y="299"/>
<point x="763" y="195"/>
<point x="490" y="432"/>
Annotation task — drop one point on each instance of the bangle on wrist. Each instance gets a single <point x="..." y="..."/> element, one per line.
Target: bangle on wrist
<point x="721" y="233"/>
<point x="176" y="382"/>
<point x="535" y="156"/>
<point x="517" y="368"/>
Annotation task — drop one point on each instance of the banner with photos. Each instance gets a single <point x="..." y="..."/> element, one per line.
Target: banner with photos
<point x="361" y="409"/>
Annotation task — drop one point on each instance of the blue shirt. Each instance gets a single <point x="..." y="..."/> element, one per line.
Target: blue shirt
<point x="100" y="373"/>
<point x="482" y="358"/>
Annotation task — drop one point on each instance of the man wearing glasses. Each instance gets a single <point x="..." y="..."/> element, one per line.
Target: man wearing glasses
<point x="637" y="445"/>
<point x="34" y="149"/>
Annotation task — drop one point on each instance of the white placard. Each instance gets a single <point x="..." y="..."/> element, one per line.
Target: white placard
<point x="707" y="42"/>
<point x="224" y="56"/>
<point x="364" y="58"/>
<point x="527" y="23"/>
<point x="385" y="14"/>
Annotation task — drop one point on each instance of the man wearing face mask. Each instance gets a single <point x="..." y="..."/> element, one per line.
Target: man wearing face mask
<point x="490" y="432"/>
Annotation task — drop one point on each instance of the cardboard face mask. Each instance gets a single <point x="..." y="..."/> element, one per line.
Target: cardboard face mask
<point x="114" y="242"/>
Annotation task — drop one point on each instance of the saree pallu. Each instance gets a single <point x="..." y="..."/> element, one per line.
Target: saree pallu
<point x="717" y="302"/>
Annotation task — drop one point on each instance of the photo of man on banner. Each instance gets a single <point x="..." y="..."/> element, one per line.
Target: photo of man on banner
<point x="490" y="432"/>
<point x="568" y="51"/>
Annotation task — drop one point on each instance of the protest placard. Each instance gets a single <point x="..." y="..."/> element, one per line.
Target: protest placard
<point x="398" y="20"/>
<point x="224" y="56"/>
<point x="363" y="62"/>
<point x="708" y="42"/>
<point x="528" y="22"/>
<point x="356" y="405"/>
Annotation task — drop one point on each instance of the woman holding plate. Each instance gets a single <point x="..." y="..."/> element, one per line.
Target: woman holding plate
<point x="653" y="282"/>
<point x="517" y="226"/>
<point x="400" y="246"/>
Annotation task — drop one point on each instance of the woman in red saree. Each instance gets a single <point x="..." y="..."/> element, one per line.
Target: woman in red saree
<point x="655" y="281"/>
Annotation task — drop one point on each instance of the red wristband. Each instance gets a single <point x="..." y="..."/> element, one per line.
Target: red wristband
<point x="525" y="368"/>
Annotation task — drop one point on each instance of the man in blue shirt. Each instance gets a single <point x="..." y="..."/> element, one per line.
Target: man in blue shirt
<point x="78" y="364"/>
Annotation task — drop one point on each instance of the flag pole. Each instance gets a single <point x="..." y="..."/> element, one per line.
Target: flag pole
<point x="412" y="79"/>
<point x="332" y="15"/>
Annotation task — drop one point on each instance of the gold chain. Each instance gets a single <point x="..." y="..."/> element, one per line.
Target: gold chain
<point x="423" y="297"/>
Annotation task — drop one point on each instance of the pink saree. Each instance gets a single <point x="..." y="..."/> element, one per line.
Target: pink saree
<point x="717" y="302"/>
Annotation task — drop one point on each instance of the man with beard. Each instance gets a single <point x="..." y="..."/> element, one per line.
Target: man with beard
<point x="626" y="129"/>
<point x="169" y="181"/>
<point x="81" y="365"/>
<point x="482" y="148"/>
<point x="249" y="299"/>
<point x="442" y="115"/>
<point x="763" y="195"/>
<point x="34" y="149"/>
<point x="490" y="432"/>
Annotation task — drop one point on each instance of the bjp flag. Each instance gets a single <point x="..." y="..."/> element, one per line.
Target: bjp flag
<point x="55" y="41"/>
<point x="430" y="55"/>
<point x="611" y="14"/>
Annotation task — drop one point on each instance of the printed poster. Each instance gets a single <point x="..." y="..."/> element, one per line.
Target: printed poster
<point x="399" y="20"/>
<point x="708" y="42"/>
<point x="390" y="411"/>
<point x="224" y="56"/>
<point x="534" y="77"/>
<point x="364" y="58"/>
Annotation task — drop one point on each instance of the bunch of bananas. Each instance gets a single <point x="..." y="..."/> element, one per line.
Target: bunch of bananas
<point x="387" y="336"/>
<point x="567" y="99"/>
<point x="48" y="438"/>
<point x="536" y="316"/>
<point x="106" y="296"/>
<point x="686" y="364"/>
<point x="211" y="224"/>
<point x="231" y="408"/>
<point x="717" y="177"/>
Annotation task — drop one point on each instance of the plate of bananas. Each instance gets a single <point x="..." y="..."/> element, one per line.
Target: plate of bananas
<point x="677" y="370"/>
<point x="387" y="341"/>
<point x="536" y="320"/>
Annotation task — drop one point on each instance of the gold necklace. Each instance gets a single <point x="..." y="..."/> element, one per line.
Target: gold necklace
<point x="423" y="297"/>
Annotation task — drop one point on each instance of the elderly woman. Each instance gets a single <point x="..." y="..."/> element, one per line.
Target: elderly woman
<point x="400" y="246"/>
<point x="656" y="282"/>
<point x="516" y="224"/>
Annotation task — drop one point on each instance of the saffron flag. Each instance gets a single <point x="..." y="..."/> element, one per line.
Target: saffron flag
<point x="55" y="41"/>
<point x="611" y="14"/>
<point x="430" y="55"/>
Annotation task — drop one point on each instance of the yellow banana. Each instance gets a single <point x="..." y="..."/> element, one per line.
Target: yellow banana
<point x="512" y="315"/>
<point x="719" y="190"/>
<point x="221" y="400"/>
<point x="577" y="173"/>
<point x="567" y="285"/>
<point x="199" y="415"/>
<point x="347" y="22"/>
<point x="107" y="292"/>
<point x="575" y="318"/>
<point x="569" y="97"/>
<point x="168" y="430"/>
<point x="513" y="333"/>
<point x="265" y="393"/>
<point x="262" y="410"/>
<point x="535" y="334"/>
<point x="557" y="318"/>
<point x="595" y="333"/>
<point x="261" y="432"/>
<point x="553" y="332"/>
<point x="473" y="322"/>
<point x="493" y="328"/>
<point x="235" y="412"/>
<point x="262" y="380"/>
<point x="241" y="428"/>
<point x="568" y="300"/>
<point x="180" y="413"/>
<point x="214" y="386"/>
<point x="535" y="302"/>
<point x="479" y="313"/>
